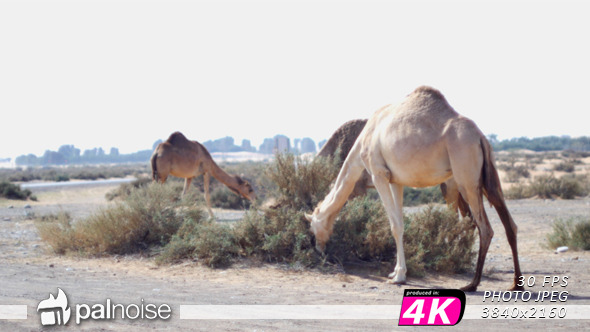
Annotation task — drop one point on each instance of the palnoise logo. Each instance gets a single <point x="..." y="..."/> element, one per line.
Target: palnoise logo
<point x="55" y="310"/>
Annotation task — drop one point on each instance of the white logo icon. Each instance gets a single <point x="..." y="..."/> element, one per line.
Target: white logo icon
<point x="55" y="310"/>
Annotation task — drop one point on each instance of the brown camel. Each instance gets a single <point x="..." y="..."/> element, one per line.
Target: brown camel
<point x="421" y="142"/>
<point x="342" y="141"/>
<point x="188" y="159"/>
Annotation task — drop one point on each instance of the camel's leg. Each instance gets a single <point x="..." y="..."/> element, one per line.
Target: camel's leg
<point x="451" y="194"/>
<point x="475" y="201"/>
<point x="392" y="196"/>
<point x="187" y="184"/>
<point x="207" y="196"/>
<point x="511" y="229"/>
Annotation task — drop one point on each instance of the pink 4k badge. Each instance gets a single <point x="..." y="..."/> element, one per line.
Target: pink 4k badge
<point x="432" y="307"/>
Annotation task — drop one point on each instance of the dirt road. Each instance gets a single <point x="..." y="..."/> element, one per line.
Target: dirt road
<point x="29" y="273"/>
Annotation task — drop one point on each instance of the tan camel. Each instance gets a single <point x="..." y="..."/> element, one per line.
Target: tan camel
<point x="188" y="159"/>
<point x="342" y="141"/>
<point x="421" y="142"/>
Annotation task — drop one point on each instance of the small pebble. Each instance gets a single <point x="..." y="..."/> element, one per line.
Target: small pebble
<point x="561" y="249"/>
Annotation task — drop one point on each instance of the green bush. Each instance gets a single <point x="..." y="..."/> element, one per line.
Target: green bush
<point x="13" y="191"/>
<point x="362" y="232"/>
<point x="277" y="235"/>
<point x="211" y="243"/>
<point x="436" y="239"/>
<point x="574" y="233"/>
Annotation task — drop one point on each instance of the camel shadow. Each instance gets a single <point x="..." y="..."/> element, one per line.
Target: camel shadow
<point x="379" y="271"/>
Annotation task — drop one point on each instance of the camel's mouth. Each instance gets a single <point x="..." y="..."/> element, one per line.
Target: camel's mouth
<point x="250" y="196"/>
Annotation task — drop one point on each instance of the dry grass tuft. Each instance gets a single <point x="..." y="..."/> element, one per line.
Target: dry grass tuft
<point x="148" y="216"/>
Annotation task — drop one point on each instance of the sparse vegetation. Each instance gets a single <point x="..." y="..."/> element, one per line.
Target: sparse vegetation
<point x="13" y="191"/>
<point x="72" y="172"/>
<point x="548" y="186"/>
<point x="573" y="233"/>
<point x="546" y="143"/>
<point x="514" y="174"/>
<point x="151" y="216"/>
<point x="568" y="166"/>
<point x="514" y="171"/>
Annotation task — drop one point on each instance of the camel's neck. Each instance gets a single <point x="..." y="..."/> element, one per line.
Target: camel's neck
<point x="219" y="174"/>
<point x="349" y="174"/>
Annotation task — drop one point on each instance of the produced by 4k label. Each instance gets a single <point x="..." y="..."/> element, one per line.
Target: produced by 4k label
<point x="432" y="307"/>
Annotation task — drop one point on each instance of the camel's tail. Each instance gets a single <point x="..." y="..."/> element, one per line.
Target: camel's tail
<point x="493" y="191"/>
<point x="489" y="176"/>
<point x="153" y="160"/>
<point x="492" y="188"/>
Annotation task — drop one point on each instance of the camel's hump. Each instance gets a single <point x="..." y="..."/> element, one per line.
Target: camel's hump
<point x="430" y="91"/>
<point x="176" y="137"/>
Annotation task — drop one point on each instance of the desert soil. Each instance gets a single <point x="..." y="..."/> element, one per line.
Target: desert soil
<point x="29" y="272"/>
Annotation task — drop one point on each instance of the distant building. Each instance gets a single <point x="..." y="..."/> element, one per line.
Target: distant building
<point x="281" y="144"/>
<point x="307" y="145"/>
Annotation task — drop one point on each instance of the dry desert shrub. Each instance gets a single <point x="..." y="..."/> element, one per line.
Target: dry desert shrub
<point x="550" y="187"/>
<point x="148" y="216"/>
<point x="568" y="166"/>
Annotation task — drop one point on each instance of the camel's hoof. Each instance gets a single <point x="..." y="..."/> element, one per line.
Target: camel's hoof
<point x="393" y="279"/>
<point x="515" y="287"/>
<point x="395" y="282"/>
<point x="469" y="288"/>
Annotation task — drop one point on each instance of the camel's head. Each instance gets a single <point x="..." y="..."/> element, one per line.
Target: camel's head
<point x="244" y="189"/>
<point x="321" y="228"/>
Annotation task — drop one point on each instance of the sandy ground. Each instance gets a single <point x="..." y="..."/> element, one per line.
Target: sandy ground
<point x="29" y="272"/>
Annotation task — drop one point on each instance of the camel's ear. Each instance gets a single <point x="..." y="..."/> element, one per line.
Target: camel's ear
<point x="309" y="217"/>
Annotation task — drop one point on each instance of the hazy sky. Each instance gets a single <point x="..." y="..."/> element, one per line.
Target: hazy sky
<point x="126" y="73"/>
